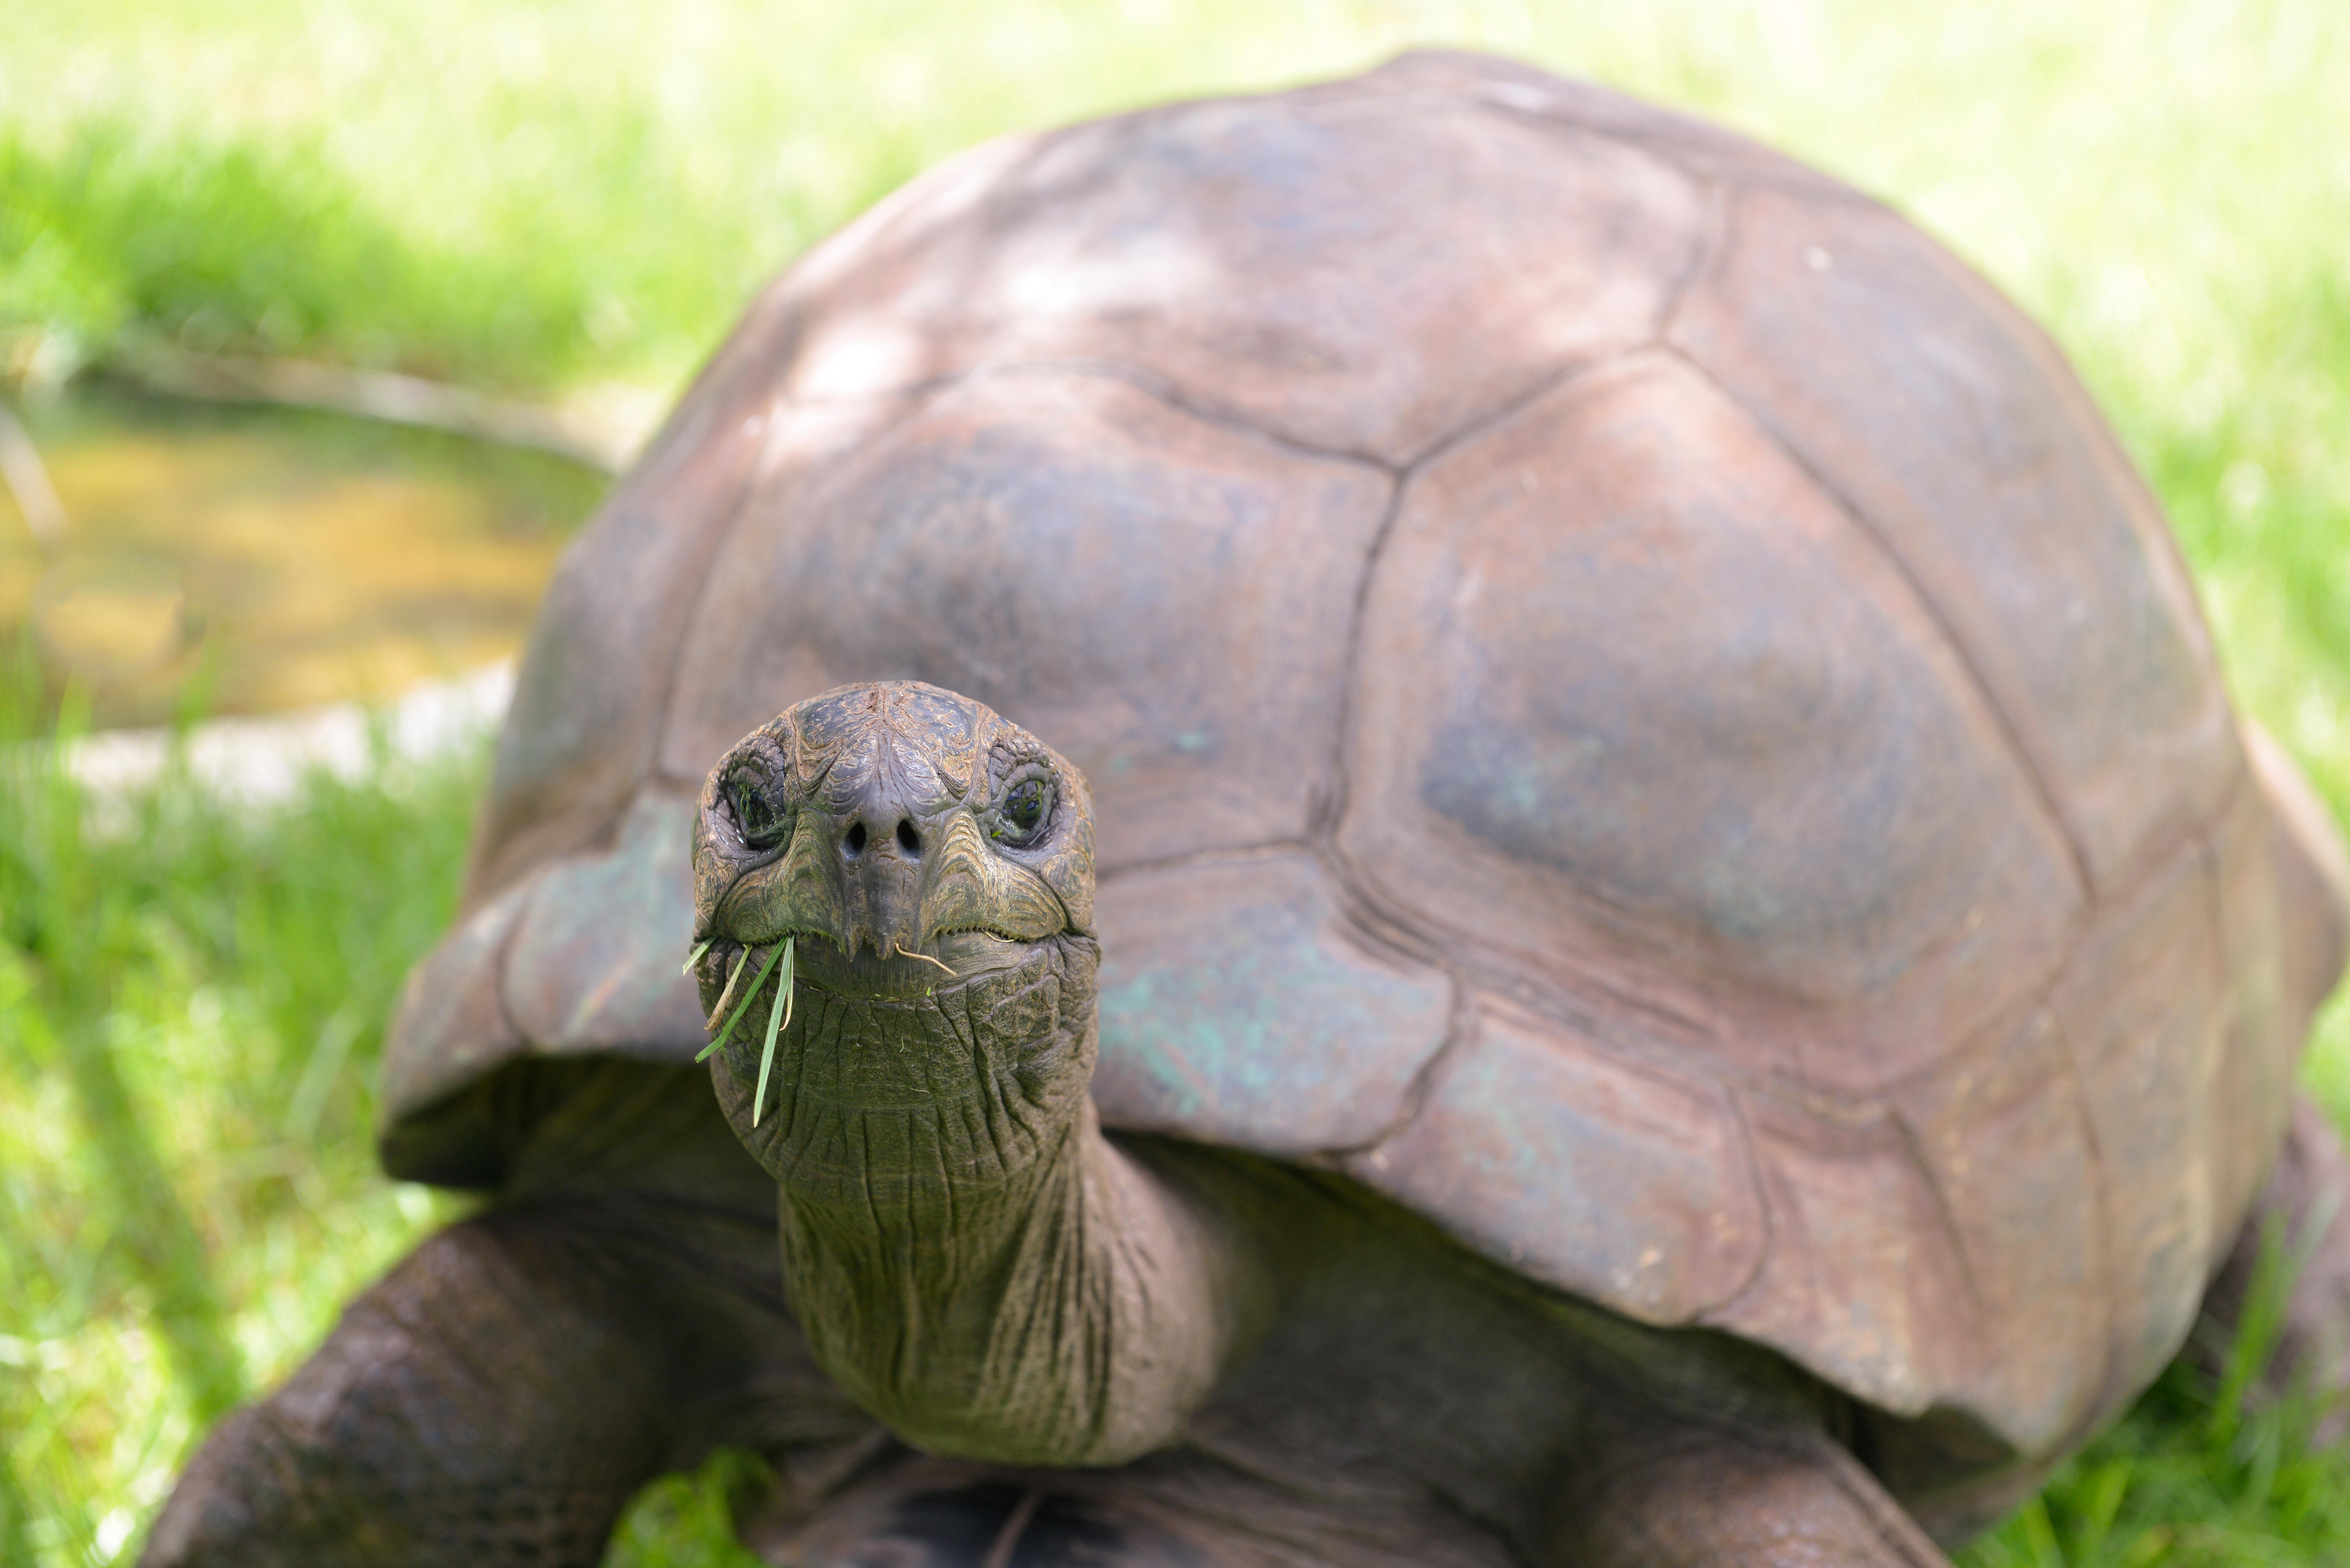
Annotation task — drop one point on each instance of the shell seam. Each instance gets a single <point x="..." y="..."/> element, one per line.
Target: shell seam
<point x="1460" y="1027"/>
<point x="1758" y="1184"/>
<point x="1323" y="821"/>
<point x="1944" y="1210"/>
<point x="1144" y="381"/>
<point x="1713" y="239"/>
<point x="529" y="895"/>
<point x="1161" y="389"/>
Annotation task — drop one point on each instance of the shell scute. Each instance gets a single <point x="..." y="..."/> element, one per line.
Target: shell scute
<point x="578" y="980"/>
<point x="1625" y="1183"/>
<point x="1236" y="1008"/>
<point x="1862" y="1273"/>
<point x="1957" y="434"/>
<point x="1637" y="698"/>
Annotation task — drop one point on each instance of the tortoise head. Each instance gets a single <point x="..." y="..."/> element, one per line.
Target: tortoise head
<point x="919" y="875"/>
<point x="892" y="828"/>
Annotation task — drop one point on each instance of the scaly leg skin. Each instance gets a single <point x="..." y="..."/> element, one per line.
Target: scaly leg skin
<point x="1728" y="1499"/>
<point x="495" y="1401"/>
<point x="497" y="1398"/>
<point x="2306" y="1206"/>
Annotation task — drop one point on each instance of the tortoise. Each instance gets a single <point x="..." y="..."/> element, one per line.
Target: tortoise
<point x="1499" y="834"/>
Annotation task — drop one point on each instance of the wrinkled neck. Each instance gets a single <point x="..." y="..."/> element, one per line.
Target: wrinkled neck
<point x="959" y="1240"/>
<point x="899" y="1111"/>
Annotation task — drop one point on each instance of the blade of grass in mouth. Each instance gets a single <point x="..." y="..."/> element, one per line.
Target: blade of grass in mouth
<point x="733" y="978"/>
<point x="761" y="979"/>
<point x="777" y="1016"/>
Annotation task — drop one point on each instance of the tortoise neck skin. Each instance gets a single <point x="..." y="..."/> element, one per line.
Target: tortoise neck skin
<point x="950" y="1209"/>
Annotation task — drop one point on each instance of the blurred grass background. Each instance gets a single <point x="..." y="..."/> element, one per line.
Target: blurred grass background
<point x="560" y="199"/>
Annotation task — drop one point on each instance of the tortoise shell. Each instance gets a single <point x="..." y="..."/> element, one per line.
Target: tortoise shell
<point x="1633" y="703"/>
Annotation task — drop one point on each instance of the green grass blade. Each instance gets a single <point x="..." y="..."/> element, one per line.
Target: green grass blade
<point x="777" y="1016"/>
<point x="695" y="957"/>
<point x="724" y="996"/>
<point x="744" y="1005"/>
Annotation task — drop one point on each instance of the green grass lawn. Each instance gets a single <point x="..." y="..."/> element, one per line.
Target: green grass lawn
<point x="547" y="198"/>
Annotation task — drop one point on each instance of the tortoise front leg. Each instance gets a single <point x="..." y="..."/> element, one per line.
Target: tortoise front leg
<point x="497" y="1398"/>
<point x="1769" y="1497"/>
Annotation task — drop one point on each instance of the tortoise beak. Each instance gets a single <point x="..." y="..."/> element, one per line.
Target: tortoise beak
<point x="875" y="853"/>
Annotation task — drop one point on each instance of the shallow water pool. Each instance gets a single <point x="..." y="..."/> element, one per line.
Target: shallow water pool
<point x="235" y="560"/>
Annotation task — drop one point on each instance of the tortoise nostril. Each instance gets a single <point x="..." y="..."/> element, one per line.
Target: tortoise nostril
<point x="907" y="839"/>
<point x="856" y="840"/>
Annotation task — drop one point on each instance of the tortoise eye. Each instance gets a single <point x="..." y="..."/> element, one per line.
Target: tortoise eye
<point x="1025" y="809"/>
<point x="761" y="822"/>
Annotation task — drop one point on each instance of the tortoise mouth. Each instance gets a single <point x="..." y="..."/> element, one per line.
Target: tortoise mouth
<point x="952" y="960"/>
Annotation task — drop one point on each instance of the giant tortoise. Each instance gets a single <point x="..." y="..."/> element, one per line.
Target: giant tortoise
<point x="1499" y="834"/>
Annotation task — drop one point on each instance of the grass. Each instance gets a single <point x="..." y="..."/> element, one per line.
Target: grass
<point x="119" y="237"/>
<point x="549" y="198"/>
<point x="191" y="1000"/>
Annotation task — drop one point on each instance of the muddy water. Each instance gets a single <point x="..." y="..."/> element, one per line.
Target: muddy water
<point x="243" y="561"/>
